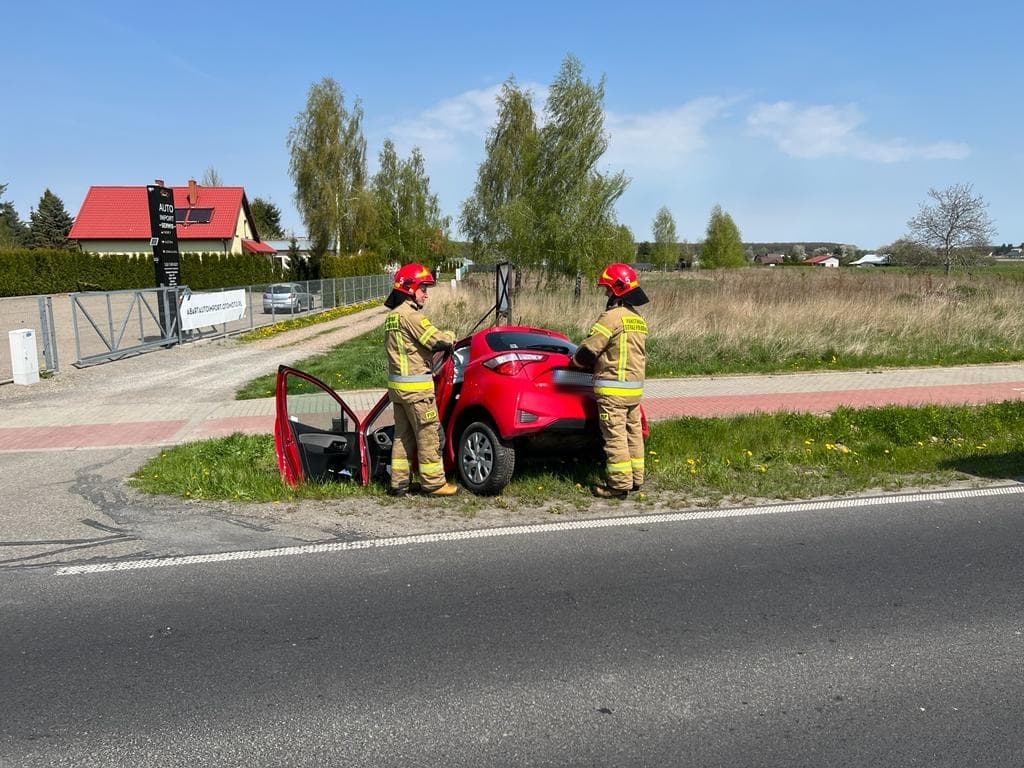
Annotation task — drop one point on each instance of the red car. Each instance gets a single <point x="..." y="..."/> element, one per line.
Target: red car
<point x="506" y="392"/>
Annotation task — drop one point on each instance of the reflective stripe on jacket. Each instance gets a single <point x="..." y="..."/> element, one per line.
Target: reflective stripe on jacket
<point x="409" y="341"/>
<point x="618" y="341"/>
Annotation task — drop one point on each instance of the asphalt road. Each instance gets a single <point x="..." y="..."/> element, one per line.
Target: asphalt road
<point x="881" y="635"/>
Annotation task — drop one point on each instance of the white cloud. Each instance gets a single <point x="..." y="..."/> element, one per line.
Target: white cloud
<point x="822" y="131"/>
<point x="650" y="140"/>
<point x="661" y="139"/>
<point x="444" y="130"/>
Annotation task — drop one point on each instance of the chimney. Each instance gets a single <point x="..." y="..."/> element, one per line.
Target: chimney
<point x="193" y="193"/>
<point x="158" y="182"/>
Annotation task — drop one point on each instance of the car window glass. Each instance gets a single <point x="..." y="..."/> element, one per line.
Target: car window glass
<point x="502" y="341"/>
<point x="459" y="359"/>
<point x="314" y="408"/>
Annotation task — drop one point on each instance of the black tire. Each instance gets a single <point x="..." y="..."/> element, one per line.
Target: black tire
<point x="485" y="462"/>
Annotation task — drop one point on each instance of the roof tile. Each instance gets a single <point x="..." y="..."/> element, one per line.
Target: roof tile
<point x="122" y="213"/>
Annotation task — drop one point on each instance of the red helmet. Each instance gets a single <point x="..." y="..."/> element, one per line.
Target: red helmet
<point x="411" y="276"/>
<point x="621" y="278"/>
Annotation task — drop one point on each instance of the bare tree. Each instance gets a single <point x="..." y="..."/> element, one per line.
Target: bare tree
<point x="954" y="226"/>
<point x="211" y="178"/>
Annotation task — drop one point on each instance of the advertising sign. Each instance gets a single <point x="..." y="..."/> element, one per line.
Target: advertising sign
<point x="202" y="309"/>
<point x="163" y="235"/>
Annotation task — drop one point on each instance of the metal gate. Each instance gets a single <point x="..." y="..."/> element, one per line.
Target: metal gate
<point x="125" y="322"/>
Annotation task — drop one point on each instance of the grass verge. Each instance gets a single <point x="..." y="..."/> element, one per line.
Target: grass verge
<point x="690" y="461"/>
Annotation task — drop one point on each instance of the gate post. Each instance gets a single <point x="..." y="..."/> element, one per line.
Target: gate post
<point x="49" y="332"/>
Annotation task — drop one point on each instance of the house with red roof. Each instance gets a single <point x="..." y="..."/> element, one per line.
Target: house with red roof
<point x="209" y="220"/>
<point x="823" y="260"/>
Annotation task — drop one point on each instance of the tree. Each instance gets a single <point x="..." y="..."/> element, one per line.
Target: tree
<point x="267" y="218"/>
<point x="410" y="226"/>
<point x="499" y="218"/>
<point x="538" y="198"/>
<point x="328" y="166"/>
<point x="910" y="253"/>
<point x="847" y="253"/>
<point x="723" y="246"/>
<point x="50" y="224"/>
<point x="13" y="231"/>
<point x="666" y="250"/>
<point x="211" y="178"/>
<point x="954" y="226"/>
<point x="623" y="245"/>
<point x="576" y="202"/>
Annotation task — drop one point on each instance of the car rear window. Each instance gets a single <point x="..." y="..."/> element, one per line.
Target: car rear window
<point x="281" y="289"/>
<point x="502" y="341"/>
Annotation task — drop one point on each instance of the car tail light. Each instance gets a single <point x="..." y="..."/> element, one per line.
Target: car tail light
<point x="511" y="363"/>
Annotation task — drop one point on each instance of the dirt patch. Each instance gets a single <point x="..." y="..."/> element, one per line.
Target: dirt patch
<point x="367" y="518"/>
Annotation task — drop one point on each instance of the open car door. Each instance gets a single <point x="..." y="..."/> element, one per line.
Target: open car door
<point x="319" y="437"/>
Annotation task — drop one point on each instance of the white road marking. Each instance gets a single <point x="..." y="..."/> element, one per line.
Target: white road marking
<point x="520" y="530"/>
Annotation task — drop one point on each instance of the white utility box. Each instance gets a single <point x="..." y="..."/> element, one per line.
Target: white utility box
<point x="24" y="358"/>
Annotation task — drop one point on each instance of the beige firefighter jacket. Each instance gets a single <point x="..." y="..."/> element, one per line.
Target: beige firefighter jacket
<point x="618" y="341"/>
<point x="410" y="340"/>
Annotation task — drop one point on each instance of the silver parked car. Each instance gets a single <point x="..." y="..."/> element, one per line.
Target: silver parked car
<point x="287" y="297"/>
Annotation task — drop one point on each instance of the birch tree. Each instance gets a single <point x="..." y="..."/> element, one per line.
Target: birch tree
<point x="328" y="166"/>
<point x="539" y="198"/>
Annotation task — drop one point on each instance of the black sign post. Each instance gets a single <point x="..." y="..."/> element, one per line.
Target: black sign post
<point x="164" y="239"/>
<point x="502" y="294"/>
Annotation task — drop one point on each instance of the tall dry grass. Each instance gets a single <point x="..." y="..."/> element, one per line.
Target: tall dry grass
<point x="761" y="319"/>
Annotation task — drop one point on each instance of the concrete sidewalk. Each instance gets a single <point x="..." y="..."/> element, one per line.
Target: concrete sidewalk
<point x="28" y="423"/>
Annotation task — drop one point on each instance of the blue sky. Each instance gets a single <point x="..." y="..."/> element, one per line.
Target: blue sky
<point x="804" y="121"/>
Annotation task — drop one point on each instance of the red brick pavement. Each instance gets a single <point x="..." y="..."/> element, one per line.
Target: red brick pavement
<point x="172" y="431"/>
<point x="90" y="435"/>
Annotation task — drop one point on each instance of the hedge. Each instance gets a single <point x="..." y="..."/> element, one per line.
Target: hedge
<point x="33" y="272"/>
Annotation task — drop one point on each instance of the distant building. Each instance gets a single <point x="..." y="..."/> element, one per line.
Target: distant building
<point x="770" y="258"/>
<point x="209" y="220"/>
<point x="872" y="260"/>
<point x="303" y="245"/>
<point x="823" y="260"/>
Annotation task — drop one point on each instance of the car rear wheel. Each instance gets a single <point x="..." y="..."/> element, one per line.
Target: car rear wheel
<point x="485" y="461"/>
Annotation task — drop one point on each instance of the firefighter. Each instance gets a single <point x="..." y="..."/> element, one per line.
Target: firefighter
<point x="615" y="351"/>
<point x="411" y="340"/>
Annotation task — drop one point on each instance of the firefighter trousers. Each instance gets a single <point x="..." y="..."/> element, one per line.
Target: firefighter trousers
<point x="623" y="441"/>
<point x="417" y="434"/>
